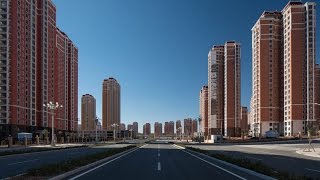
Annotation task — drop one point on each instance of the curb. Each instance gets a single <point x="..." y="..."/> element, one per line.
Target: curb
<point x="248" y="171"/>
<point x="306" y="154"/>
<point x="79" y="169"/>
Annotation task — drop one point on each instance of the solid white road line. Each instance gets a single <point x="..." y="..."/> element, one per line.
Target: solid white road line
<point x="225" y="170"/>
<point x="22" y="162"/>
<point x="86" y="172"/>
<point x="312" y="170"/>
<point x="159" y="166"/>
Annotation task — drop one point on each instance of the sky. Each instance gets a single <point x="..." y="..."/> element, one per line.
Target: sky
<point x="157" y="50"/>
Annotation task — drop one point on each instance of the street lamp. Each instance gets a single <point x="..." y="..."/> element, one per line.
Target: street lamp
<point x="96" y="121"/>
<point x="52" y="107"/>
<point x="114" y="125"/>
<point x="180" y="132"/>
<point x="131" y="133"/>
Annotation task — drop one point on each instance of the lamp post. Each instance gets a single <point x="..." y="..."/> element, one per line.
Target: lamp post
<point x="180" y="131"/>
<point x="131" y="133"/>
<point x="114" y="125"/>
<point x="52" y="107"/>
<point x="96" y="121"/>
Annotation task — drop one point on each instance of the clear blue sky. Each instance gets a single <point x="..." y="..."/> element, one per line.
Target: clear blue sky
<point x="157" y="49"/>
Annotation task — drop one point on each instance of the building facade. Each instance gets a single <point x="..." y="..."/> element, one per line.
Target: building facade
<point x="244" y="120"/>
<point x="178" y="127"/>
<point x="299" y="27"/>
<point x="204" y="110"/>
<point x="170" y="128"/>
<point x="110" y="103"/>
<point x="33" y="50"/>
<point x="216" y="90"/>
<point x="88" y="112"/>
<point x="232" y="95"/>
<point x="146" y="129"/>
<point x="187" y="123"/>
<point x="122" y="127"/>
<point x="267" y="89"/>
<point x="135" y="127"/>
<point x="157" y="129"/>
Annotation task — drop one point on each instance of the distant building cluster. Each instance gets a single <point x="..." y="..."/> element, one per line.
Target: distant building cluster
<point x="39" y="64"/>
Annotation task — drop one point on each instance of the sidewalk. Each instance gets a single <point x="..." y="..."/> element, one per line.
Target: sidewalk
<point x="23" y="148"/>
<point x="310" y="153"/>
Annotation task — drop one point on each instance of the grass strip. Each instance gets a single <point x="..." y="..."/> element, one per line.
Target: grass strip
<point x="257" y="166"/>
<point x="32" y="150"/>
<point x="68" y="165"/>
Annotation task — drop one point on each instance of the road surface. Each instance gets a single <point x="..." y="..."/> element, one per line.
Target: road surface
<point x="18" y="164"/>
<point x="162" y="161"/>
<point x="282" y="157"/>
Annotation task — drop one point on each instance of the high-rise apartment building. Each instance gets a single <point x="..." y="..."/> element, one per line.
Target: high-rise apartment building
<point x="204" y="110"/>
<point x="157" y="129"/>
<point x="285" y="95"/>
<point x="178" y="127"/>
<point x="147" y="129"/>
<point x="88" y="112"/>
<point x="187" y="123"/>
<point x="232" y="96"/>
<point x="122" y="127"/>
<point x="32" y="53"/>
<point x="169" y="128"/>
<point x="267" y="89"/>
<point x="130" y="127"/>
<point x="299" y="27"/>
<point x="244" y="120"/>
<point x="110" y="104"/>
<point x="216" y="90"/>
<point x="317" y="96"/>
<point x="194" y="127"/>
<point x="135" y="127"/>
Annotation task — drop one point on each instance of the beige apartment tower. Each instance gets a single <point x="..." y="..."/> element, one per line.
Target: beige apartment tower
<point x="88" y="112"/>
<point x="110" y="104"/>
<point x="267" y="89"/>
<point x="215" y="91"/>
<point x="204" y="110"/>
<point x="232" y="96"/>
<point x="299" y="23"/>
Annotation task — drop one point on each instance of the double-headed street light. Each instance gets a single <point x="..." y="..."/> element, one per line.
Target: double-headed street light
<point x="114" y="125"/>
<point x="52" y="107"/>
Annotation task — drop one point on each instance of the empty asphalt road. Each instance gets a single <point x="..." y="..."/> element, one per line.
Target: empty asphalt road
<point x="281" y="157"/>
<point x="163" y="161"/>
<point x="18" y="164"/>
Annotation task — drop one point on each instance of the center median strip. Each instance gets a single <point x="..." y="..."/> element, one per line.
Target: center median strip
<point x="70" y="167"/>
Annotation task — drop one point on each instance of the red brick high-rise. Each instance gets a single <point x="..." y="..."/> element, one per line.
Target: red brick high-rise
<point x="157" y="129"/>
<point x="267" y="78"/>
<point x="232" y="96"/>
<point x="147" y="129"/>
<point x="33" y="51"/>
